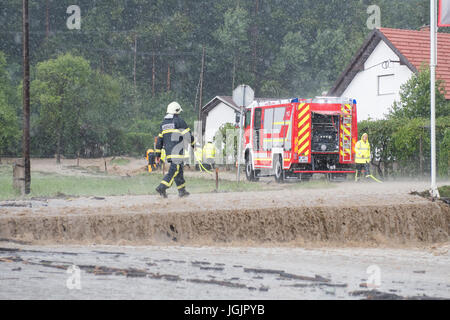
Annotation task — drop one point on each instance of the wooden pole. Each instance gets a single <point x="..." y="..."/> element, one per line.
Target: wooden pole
<point x="255" y="42"/>
<point x="47" y="22"/>
<point x="200" y="98"/>
<point x="217" y="179"/>
<point x="420" y="155"/>
<point x="26" y="97"/>
<point x="153" y="75"/>
<point x="168" y="77"/>
<point x="134" y="62"/>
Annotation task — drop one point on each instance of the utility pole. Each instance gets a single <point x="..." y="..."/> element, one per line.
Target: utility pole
<point x="26" y="97"/>
<point x="200" y="98"/>
<point x="168" y="77"/>
<point x="153" y="74"/>
<point x="47" y="23"/>
<point x="134" y="62"/>
<point x="433" y="55"/>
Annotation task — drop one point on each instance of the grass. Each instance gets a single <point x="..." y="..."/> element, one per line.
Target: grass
<point x="51" y="185"/>
<point x="444" y="191"/>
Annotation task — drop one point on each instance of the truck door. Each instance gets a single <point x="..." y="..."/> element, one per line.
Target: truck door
<point x="267" y="133"/>
<point x="278" y="125"/>
<point x="257" y="129"/>
<point x="247" y="124"/>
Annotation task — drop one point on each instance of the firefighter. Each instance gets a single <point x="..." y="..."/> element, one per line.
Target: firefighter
<point x="209" y="151"/>
<point x="151" y="163"/>
<point x="362" y="150"/>
<point x="173" y="134"/>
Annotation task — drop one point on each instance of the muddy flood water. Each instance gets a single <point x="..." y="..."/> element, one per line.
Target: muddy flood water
<point x="222" y="273"/>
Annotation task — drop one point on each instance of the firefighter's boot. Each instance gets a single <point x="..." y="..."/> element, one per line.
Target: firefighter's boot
<point x="183" y="193"/>
<point x="162" y="191"/>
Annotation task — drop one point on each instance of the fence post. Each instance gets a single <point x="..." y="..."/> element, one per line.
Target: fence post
<point x="19" y="175"/>
<point x="217" y="179"/>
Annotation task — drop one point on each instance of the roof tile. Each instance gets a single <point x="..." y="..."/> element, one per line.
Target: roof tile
<point x="414" y="45"/>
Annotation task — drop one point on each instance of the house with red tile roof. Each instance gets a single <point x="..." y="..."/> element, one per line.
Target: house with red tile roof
<point x="217" y="112"/>
<point x="387" y="59"/>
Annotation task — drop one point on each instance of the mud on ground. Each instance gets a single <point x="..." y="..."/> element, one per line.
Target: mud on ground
<point x="352" y="214"/>
<point x="113" y="166"/>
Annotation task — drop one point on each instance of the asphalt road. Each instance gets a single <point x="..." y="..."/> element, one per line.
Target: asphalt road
<point x="221" y="273"/>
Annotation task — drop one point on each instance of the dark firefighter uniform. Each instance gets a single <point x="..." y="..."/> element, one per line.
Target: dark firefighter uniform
<point x="174" y="137"/>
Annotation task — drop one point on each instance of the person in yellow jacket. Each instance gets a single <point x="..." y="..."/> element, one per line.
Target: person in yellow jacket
<point x="362" y="159"/>
<point x="209" y="152"/>
<point x="198" y="157"/>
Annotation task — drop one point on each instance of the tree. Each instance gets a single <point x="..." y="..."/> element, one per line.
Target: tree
<point x="415" y="98"/>
<point x="233" y="37"/>
<point x="9" y="126"/>
<point x="59" y="97"/>
<point x="444" y="155"/>
<point x="292" y="59"/>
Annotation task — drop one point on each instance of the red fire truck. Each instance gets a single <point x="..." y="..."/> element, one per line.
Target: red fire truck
<point x="296" y="138"/>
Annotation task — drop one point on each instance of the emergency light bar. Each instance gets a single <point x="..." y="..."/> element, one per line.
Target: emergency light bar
<point x="341" y="100"/>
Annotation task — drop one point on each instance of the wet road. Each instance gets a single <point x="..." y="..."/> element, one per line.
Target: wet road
<point x="221" y="273"/>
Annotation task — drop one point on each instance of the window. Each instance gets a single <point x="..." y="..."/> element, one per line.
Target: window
<point x="257" y="129"/>
<point x="248" y="118"/>
<point x="386" y="84"/>
<point x="268" y="121"/>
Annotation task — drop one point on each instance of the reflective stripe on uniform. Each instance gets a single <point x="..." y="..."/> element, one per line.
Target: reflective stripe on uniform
<point x="175" y="131"/>
<point x="170" y="131"/>
<point x="182" y="186"/>
<point x="169" y="184"/>
<point x="176" y="156"/>
<point x="176" y="173"/>
<point x="164" y="182"/>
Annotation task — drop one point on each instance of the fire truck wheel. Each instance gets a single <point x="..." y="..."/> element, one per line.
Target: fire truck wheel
<point x="249" y="172"/>
<point x="279" y="172"/>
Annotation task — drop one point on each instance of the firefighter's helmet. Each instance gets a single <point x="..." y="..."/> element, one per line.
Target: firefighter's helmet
<point x="174" y="108"/>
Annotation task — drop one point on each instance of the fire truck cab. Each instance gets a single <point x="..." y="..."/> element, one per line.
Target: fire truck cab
<point x="296" y="138"/>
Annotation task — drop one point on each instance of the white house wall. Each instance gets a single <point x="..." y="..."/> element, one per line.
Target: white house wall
<point x="218" y="116"/>
<point x="365" y="85"/>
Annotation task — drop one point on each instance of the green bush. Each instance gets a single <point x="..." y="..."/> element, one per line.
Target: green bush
<point x="444" y="155"/>
<point x="137" y="143"/>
